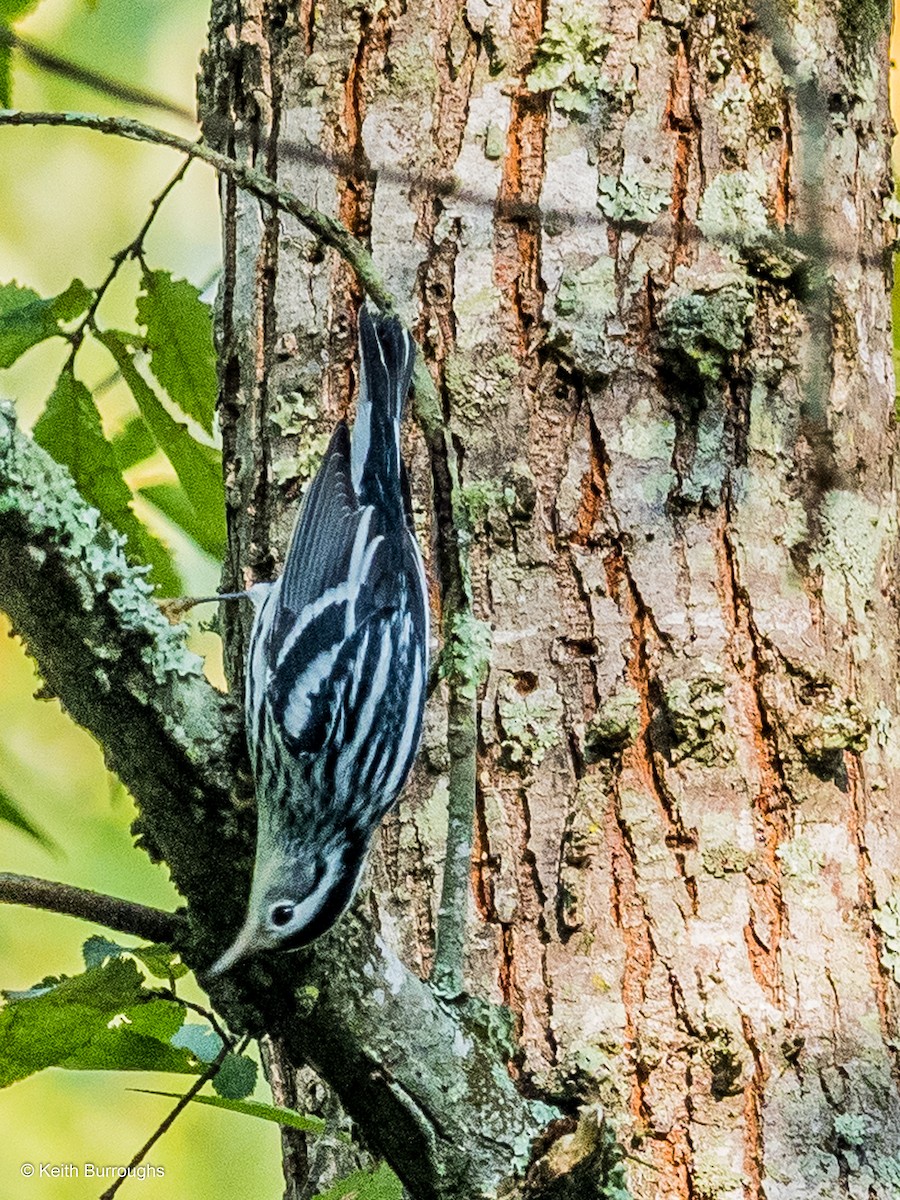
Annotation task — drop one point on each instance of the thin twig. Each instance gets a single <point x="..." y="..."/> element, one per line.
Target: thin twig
<point x="169" y="993"/>
<point x="134" y="249"/>
<point x="123" y="916"/>
<point x="57" y="65"/>
<point x="167" y="1123"/>
<point x="331" y="231"/>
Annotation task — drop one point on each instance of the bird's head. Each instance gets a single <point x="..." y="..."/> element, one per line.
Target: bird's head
<point x="295" y="898"/>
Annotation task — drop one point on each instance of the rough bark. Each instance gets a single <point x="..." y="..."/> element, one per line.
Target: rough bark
<point x="684" y="871"/>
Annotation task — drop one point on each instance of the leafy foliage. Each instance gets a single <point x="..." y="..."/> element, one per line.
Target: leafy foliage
<point x="10" y="10"/>
<point x="236" y="1078"/>
<point x="198" y="467"/>
<point x="69" y="429"/>
<point x="179" y="336"/>
<point x="99" y="1020"/>
<point x="380" y="1184"/>
<point x="26" y="319"/>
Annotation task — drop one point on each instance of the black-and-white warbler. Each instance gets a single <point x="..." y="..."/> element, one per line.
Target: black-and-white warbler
<point x="336" y="667"/>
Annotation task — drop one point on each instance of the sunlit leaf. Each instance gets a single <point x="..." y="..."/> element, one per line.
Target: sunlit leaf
<point x="10" y="10"/>
<point x="160" y="960"/>
<point x="180" y="340"/>
<point x="172" y="502"/>
<point x="380" y="1184"/>
<point x="43" y="1030"/>
<point x="133" y="443"/>
<point x="14" y="10"/>
<point x="26" y="318"/>
<point x="236" y="1077"/>
<point x="198" y="467"/>
<point x="140" y="1040"/>
<point x="252" y="1108"/>
<point x="12" y="814"/>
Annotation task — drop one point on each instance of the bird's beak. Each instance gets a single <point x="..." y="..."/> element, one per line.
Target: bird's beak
<point x="238" y="950"/>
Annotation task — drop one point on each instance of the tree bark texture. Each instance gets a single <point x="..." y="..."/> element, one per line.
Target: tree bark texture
<point x="678" y="480"/>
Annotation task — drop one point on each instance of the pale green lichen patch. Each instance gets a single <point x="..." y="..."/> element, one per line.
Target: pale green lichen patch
<point x="485" y="497"/>
<point x="828" y="722"/>
<point x="801" y="860"/>
<point x="630" y="200"/>
<point x="849" y="554"/>
<point x="478" y="380"/>
<point x="733" y="209"/>
<point x="726" y="858"/>
<point x="467" y="652"/>
<point x="42" y="493"/>
<point x="695" y="710"/>
<point x="701" y="330"/>
<point x="887" y="921"/>
<point x="530" y="724"/>
<point x="614" y="727"/>
<point x="585" y="303"/>
<point x="410" y="72"/>
<point x="852" y="1129"/>
<point x="644" y="435"/>
<point x="568" y="63"/>
<point x="714" y="1178"/>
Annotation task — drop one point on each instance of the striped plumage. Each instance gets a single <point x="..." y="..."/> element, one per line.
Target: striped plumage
<point x="337" y="666"/>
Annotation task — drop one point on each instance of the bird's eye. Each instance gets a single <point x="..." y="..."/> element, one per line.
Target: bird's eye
<point x="281" y="915"/>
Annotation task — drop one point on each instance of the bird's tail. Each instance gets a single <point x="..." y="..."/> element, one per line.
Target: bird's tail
<point x="387" y="354"/>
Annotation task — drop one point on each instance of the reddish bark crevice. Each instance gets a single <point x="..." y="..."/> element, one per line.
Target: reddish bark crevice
<point x="754" y="1099"/>
<point x="681" y="120"/>
<point x="631" y="919"/>
<point x="765" y="928"/>
<point x="868" y="903"/>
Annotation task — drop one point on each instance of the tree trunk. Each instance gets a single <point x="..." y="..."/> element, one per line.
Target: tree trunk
<point x="675" y="441"/>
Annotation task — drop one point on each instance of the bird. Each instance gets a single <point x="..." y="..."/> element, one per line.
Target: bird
<point x="337" y="666"/>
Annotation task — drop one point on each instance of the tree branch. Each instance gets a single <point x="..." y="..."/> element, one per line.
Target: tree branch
<point x="124" y="916"/>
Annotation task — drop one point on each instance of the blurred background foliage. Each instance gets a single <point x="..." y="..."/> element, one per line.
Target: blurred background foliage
<point x="68" y="202"/>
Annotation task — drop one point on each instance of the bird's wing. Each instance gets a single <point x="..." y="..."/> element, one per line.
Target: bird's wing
<point x="340" y="577"/>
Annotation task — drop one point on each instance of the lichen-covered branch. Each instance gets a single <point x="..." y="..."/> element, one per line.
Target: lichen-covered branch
<point x="124" y="916"/>
<point x="424" y="1080"/>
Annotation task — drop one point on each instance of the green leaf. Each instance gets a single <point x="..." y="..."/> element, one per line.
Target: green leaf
<point x="380" y="1184"/>
<point x="160" y="960"/>
<point x="5" y="77"/>
<point x="55" y="1025"/>
<point x="204" y="1043"/>
<point x="172" y="502"/>
<point x="13" y="815"/>
<point x="180" y="340"/>
<point x="198" y="467"/>
<point x="69" y="430"/>
<point x="140" y="1040"/>
<point x="26" y="319"/>
<point x="236" y="1078"/>
<point x="124" y="1050"/>
<point x="133" y="443"/>
<point x="252" y="1108"/>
